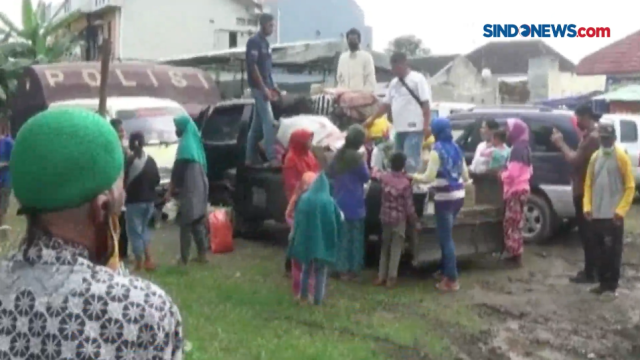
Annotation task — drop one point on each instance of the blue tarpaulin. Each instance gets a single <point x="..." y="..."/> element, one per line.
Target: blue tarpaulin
<point x="570" y="102"/>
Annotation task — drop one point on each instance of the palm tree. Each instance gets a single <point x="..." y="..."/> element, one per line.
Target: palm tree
<point x="39" y="40"/>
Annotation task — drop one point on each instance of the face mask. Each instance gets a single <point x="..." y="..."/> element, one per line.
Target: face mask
<point x="353" y="46"/>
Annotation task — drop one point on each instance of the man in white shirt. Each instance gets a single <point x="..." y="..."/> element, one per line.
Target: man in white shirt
<point x="408" y="98"/>
<point x="356" y="70"/>
<point x="480" y="164"/>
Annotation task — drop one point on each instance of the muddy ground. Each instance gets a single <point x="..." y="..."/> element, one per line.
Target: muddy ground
<point x="535" y="313"/>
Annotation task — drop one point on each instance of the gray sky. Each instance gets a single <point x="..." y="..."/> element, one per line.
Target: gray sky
<point x="455" y="26"/>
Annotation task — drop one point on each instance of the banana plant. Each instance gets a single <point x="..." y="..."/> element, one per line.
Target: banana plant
<point x="39" y="39"/>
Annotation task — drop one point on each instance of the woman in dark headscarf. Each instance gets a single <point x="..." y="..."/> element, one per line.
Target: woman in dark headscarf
<point x="349" y="173"/>
<point x="448" y="172"/>
<point x="515" y="184"/>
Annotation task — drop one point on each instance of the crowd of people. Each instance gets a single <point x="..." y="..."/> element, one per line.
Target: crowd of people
<point x="67" y="281"/>
<point x="398" y="164"/>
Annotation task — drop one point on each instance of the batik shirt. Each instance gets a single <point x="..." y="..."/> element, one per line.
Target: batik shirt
<point x="55" y="304"/>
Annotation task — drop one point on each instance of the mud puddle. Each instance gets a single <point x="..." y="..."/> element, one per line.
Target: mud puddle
<point x="535" y="313"/>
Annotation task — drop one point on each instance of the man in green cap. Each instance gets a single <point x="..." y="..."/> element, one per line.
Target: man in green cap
<point x="67" y="168"/>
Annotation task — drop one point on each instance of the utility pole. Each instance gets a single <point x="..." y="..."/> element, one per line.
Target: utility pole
<point x="105" y="54"/>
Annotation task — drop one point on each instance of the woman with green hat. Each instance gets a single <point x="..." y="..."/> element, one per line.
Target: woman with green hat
<point x="190" y="187"/>
<point x="67" y="166"/>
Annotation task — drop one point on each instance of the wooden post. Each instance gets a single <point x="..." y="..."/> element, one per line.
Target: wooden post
<point x="105" y="59"/>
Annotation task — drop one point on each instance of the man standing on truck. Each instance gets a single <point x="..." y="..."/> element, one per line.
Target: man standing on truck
<point x="263" y="90"/>
<point x="579" y="160"/>
<point x="356" y="70"/>
<point x="408" y="98"/>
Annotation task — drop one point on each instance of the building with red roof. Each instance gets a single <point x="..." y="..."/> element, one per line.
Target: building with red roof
<point x="619" y="61"/>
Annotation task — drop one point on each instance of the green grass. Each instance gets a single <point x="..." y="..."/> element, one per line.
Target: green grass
<point x="240" y="307"/>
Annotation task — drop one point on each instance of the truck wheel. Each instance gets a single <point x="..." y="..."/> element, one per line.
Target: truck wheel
<point x="243" y="227"/>
<point x="538" y="220"/>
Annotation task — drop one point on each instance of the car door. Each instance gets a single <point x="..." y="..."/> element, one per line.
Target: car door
<point x="628" y="139"/>
<point x="219" y="136"/>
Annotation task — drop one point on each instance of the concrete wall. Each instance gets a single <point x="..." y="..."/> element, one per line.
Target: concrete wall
<point x="301" y="20"/>
<point x="547" y="82"/>
<point x="569" y="84"/>
<point x="461" y="82"/>
<point x="539" y="73"/>
<point x="152" y="29"/>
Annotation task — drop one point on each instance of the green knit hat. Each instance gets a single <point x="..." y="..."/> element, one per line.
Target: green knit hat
<point x="63" y="158"/>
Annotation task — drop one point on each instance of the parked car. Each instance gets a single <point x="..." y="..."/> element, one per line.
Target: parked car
<point x="626" y="126"/>
<point x="551" y="200"/>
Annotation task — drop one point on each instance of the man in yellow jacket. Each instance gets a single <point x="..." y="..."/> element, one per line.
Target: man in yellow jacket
<point x="608" y="193"/>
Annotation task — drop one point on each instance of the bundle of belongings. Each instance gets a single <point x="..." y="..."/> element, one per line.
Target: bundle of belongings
<point x="350" y="107"/>
<point x="326" y="135"/>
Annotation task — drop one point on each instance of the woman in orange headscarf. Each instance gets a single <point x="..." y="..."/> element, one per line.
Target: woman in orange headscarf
<point x="298" y="160"/>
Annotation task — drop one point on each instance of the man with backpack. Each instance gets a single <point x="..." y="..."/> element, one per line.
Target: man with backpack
<point x="408" y="99"/>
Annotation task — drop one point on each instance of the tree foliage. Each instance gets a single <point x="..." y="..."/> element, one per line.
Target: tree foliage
<point x="408" y="44"/>
<point x="39" y="40"/>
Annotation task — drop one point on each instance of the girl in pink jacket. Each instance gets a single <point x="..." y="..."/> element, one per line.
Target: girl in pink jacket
<point x="515" y="182"/>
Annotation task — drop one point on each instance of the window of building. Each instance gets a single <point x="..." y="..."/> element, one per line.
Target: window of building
<point x="628" y="131"/>
<point x="252" y="22"/>
<point x="241" y="21"/>
<point x="233" y="39"/>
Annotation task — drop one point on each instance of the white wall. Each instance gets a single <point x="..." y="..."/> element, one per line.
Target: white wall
<point x="153" y="29"/>
<point x="569" y="84"/>
<point x="461" y="82"/>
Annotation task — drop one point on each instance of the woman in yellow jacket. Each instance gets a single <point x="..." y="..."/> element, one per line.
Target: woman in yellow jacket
<point x="608" y="193"/>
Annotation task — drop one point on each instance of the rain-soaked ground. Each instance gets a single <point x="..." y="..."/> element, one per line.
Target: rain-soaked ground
<point x="535" y="313"/>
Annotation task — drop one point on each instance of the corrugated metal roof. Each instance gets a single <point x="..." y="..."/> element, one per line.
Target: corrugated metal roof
<point x="627" y="93"/>
<point x="621" y="57"/>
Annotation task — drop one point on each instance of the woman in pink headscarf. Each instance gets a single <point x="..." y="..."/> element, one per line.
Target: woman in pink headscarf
<point x="515" y="182"/>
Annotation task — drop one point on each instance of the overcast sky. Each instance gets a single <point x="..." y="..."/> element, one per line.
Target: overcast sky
<point x="455" y="26"/>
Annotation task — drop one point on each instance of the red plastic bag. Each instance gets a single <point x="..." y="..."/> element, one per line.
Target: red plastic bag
<point x="220" y="231"/>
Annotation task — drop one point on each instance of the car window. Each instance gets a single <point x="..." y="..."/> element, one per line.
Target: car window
<point x="224" y="124"/>
<point x="541" y="137"/>
<point x="464" y="134"/>
<point x="155" y="123"/>
<point x="628" y="131"/>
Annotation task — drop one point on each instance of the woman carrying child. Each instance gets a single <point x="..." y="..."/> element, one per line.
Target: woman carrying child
<point x="515" y="184"/>
<point x="298" y="160"/>
<point x="316" y="230"/>
<point x="349" y="174"/>
<point x="448" y="172"/>
<point x="498" y="153"/>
